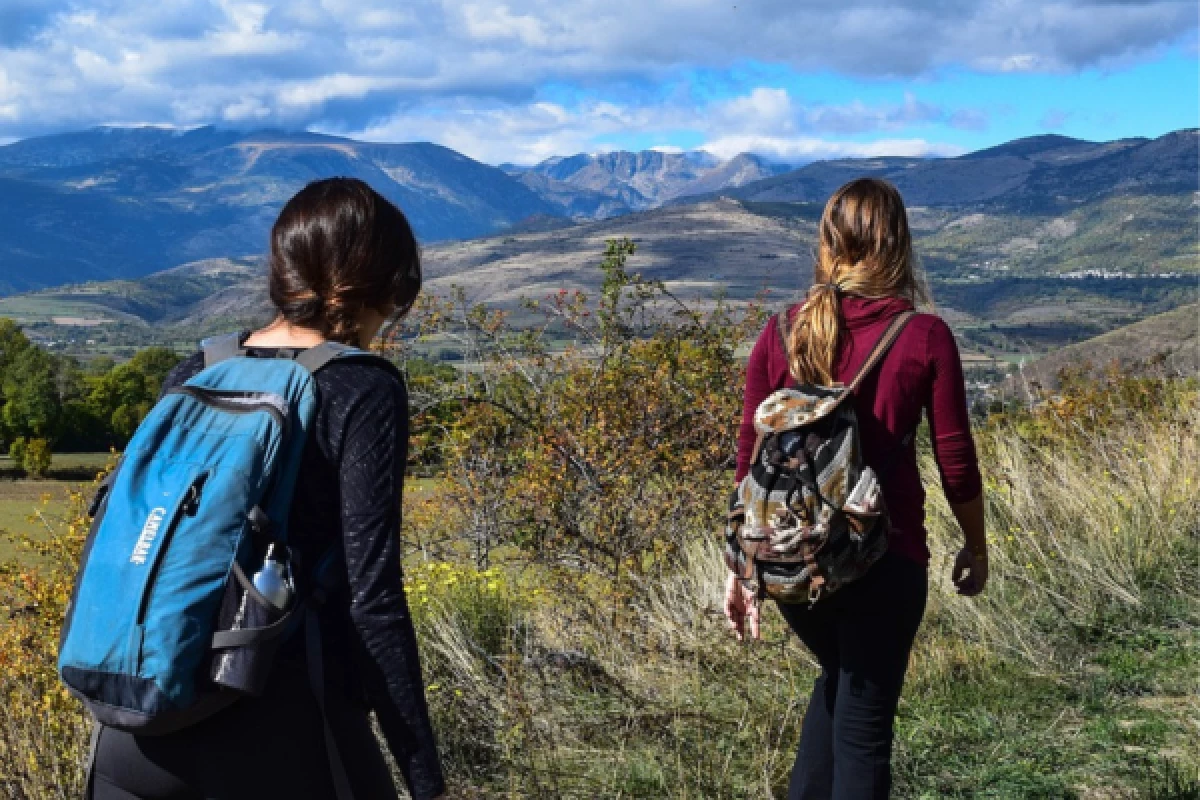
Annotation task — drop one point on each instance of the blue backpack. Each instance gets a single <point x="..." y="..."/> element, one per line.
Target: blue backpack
<point x="204" y="486"/>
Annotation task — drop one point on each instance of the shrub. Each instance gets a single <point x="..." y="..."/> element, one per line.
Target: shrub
<point x="595" y="442"/>
<point x="43" y="731"/>
<point x="37" y="457"/>
<point x="16" y="451"/>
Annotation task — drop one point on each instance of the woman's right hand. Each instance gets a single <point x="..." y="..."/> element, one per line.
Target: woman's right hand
<point x="741" y="606"/>
<point x="970" y="572"/>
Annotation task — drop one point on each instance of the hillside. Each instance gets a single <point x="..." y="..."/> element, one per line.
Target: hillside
<point x="1167" y="342"/>
<point x="697" y="250"/>
<point x="112" y="203"/>
<point x="1044" y="205"/>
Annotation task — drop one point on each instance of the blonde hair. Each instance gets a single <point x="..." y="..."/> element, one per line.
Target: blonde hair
<point x="864" y="249"/>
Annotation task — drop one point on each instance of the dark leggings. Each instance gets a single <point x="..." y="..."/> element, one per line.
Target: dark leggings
<point x="861" y="636"/>
<point x="260" y="748"/>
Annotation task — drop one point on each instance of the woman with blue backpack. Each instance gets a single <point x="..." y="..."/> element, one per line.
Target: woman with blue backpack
<point x="241" y="608"/>
<point x="828" y="516"/>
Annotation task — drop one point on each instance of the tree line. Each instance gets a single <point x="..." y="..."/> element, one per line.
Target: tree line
<point x="51" y="402"/>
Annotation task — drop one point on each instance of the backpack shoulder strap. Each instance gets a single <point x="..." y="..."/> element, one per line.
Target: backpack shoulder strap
<point x="220" y="348"/>
<point x="783" y="324"/>
<point x="881" y="349"/>
<point x="314" y="358"/>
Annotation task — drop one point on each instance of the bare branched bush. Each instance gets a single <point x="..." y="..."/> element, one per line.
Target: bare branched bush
<point x="592" y="442"/>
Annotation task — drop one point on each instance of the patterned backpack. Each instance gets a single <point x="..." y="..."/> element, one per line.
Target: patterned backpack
<point x="809" y="517"/>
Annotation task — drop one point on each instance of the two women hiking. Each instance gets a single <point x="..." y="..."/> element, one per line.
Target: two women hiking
<point x="829" y="514"/>
<point x="828" y="519"/>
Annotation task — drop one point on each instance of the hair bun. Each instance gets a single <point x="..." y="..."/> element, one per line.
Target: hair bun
<point x="338" y="247"/>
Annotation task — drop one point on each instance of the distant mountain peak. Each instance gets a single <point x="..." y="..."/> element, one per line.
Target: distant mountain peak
<point x="620" y="181"/>
<point x="1030" y="145"/>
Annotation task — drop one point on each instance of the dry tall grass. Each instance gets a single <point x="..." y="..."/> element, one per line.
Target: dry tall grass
<point x="1080" y="533"/>
<point x="1094" y="542"/>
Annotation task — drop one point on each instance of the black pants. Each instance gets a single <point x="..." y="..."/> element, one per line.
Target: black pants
<point x="260" y="748"/>
<point x="861" y="636"/>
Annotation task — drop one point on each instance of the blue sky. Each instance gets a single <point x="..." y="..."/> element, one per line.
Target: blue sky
<point x="523" y="80"/>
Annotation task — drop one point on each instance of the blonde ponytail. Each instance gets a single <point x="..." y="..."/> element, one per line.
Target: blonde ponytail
<point x="864" y="249"/>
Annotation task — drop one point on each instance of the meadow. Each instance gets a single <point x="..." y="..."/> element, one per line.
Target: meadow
<point x="1074" y="676"/>
<point x="37" y="507"/>
<point x="564" y="574"/>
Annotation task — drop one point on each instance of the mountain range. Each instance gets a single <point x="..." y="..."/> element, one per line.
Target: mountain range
<point x="125" y="202"/>
<point x="1032" y="175"/>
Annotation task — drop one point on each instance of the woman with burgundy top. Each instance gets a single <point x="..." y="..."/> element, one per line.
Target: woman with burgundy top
<point x="861" y="635"/>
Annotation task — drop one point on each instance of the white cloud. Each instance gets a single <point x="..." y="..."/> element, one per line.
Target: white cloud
<point x="800" y="149"/>
<point x="314" y="93"/>
<point x="484" y="23"/>
<point x="248" y="109"/>
<point x="475" y="71"/>
<point x="765" y="120"/>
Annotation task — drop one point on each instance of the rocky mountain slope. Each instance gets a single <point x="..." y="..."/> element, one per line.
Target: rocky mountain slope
<point x="607" y="184"/>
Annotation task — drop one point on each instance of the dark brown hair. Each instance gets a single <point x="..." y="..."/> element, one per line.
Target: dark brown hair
<point x="338" y="248"/>
<point x="864" y="249"/>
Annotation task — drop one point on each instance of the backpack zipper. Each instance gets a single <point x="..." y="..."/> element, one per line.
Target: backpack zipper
<point x="188" y="505"/>
<point x="235" y="401"/>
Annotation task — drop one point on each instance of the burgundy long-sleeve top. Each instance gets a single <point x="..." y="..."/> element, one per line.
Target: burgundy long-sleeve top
<point x="922" y="372"/>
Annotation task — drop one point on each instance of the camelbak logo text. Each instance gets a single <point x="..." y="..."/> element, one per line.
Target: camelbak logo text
<point x="149" y="531"/>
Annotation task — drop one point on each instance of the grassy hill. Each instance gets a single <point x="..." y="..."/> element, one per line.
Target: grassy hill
<point x="1168" y="343"/>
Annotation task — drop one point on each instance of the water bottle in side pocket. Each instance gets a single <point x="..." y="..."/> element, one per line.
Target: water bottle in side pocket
<point x="251" y="604"/>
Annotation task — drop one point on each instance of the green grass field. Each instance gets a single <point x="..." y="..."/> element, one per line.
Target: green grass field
<point x="26" y="509"/>
<point x="28" y="506"/>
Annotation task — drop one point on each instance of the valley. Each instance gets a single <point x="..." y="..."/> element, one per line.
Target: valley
<point x="741" y="251"/>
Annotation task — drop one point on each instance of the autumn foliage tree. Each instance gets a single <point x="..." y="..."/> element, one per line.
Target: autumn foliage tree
<point x="596" y="441"/>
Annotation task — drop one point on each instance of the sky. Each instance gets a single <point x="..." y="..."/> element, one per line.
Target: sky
<point x="525" y="80"/>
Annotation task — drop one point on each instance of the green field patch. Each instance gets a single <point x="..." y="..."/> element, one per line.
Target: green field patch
<point x="31" y="509"/>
